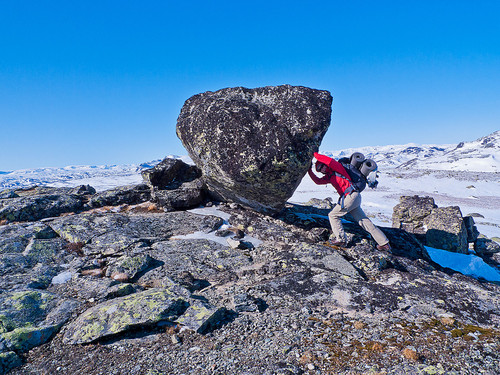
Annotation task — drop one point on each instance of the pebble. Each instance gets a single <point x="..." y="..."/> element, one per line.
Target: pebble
<point x="96" y="272"/>
<point x="175" y="339"/>
<point x="120" y="276"/>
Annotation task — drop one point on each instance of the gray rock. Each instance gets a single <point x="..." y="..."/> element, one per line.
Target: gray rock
<point x="45" y="251"/>
<point x="410" y="213"/>
<point x="472" y="232"/>
<point x="254" y="145"/>
<point x="32" y="208"/>
<point x="132" y="194"/>
<point x="245" y="302"/>
<point x="111" y="233"/>
<point x="29" y="318"/>
<point x="12" y="263"/>
<point x="170" y="174"/>
<point x="15" y="237"/>
<point x="8" y="361"/>
<point x="484" y="246"/>
<point x="446" y="230"/>
<point x="201" y="316"/>
<point x="187" y="195"/>
<point x="25" y="338"/>
<point x="121" y="314"/>
<point x="206" y="261"/>
<point x="129" y="265"/>
<point x="42" y="276"/>
<point x="325" y="204"/>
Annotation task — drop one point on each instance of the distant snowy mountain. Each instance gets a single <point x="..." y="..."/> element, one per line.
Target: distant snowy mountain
<point x="482" y="155"/>
<point x="103" y="176"/>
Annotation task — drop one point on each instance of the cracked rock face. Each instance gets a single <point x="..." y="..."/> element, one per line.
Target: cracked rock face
<point x="255" y="145"/>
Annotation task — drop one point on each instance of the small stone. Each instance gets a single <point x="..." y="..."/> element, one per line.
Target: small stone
<point x="447" y="321"/>
<point x="410" y="354"/>
<point x="233" y="244"/>
<point x="359" y="325"/>
<point x="310" y="366"/>
<point x="175" y="339"/>
<point x="62" y="278"/>
<point x="96" y="272"/>
<point x="120" y="276"/>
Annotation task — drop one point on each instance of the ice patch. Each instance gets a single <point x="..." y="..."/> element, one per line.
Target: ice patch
<point x="466" y="264"/>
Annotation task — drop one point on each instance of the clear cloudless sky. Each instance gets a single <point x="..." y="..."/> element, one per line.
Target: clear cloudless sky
<point x="102" y="82"/>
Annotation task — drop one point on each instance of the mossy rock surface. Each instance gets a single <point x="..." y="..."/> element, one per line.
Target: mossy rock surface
<point x="121" y="314"/>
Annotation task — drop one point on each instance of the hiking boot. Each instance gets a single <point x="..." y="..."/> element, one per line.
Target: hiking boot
<point x="385" y="247"/>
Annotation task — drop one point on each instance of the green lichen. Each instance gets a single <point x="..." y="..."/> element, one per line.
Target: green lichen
<point x="25" y="338"/>
<point x="6" y="324"/>
<point x="90" y="332"/>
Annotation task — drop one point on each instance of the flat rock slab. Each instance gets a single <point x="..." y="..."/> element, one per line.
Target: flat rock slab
<point x="255" y="145"/>
<point x="15" y="237"/>
<point x="111" y="232"/>
<point x="32" y="208"/>
<point x="141" y="309"/>
<point x="121" y="314"/>
<point x="29" y="318"/>
<point x="201" y="316"/>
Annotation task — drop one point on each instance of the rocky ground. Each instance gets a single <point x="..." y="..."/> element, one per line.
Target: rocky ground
<point x="110" y="289"/>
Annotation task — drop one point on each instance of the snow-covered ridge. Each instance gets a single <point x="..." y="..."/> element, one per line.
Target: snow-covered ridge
<point x="75" y="175"/>
<point x="481" y="155"/>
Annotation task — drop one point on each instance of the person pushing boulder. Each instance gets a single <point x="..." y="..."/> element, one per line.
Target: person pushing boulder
<point x="349" y="176"/>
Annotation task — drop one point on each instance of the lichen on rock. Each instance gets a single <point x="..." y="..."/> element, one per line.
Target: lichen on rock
<point x="255" y="145"/>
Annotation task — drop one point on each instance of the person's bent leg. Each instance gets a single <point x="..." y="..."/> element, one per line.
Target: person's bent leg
<point x="335" y="223"/>
<point x="365" y="223"/>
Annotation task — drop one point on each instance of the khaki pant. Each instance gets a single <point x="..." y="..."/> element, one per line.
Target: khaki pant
<point x="352" y="205"/>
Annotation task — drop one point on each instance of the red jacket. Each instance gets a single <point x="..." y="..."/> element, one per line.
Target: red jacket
<point x="335" y="175"/>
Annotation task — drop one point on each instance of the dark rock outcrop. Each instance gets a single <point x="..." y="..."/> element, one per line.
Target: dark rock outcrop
<point x="132" y="194"/>
<point x="410" y="213"/>
<point x="170" y="174"/>
<point x="446" y="230"/>
<point x="175" y="185"/>
<point x="439" y="227"/>
<point x="254" y="145"/>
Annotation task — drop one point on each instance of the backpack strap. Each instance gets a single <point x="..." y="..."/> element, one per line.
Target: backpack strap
<point x="347" y="191"/>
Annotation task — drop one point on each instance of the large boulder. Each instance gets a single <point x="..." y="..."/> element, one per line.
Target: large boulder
<point x="255" y="145"/>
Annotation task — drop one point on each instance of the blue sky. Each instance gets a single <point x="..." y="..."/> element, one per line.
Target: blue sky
<point x="102" y="82"/>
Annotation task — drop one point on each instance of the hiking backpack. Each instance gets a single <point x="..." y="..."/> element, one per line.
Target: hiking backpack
<point x="358" y="181"/>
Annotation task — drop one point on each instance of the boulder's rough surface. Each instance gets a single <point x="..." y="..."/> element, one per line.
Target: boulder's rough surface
<point x="410" y="213"/>
<point x="133" y="194"/>
<point x="446" y="230"/>
<point x="255" y="145"/>
<point x="32" y="208"/>
<point x="142" y="309"/>
<point x="439" y="227"/>
<point x="187" y="195"/>
<point x="170" y="173"/>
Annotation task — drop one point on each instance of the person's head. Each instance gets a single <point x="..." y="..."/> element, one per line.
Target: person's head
<point x="321" y="167"/>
